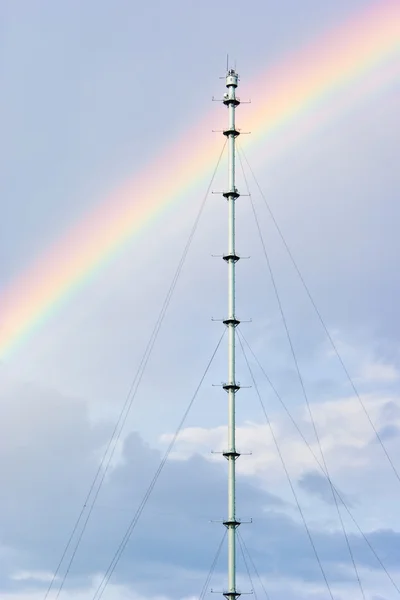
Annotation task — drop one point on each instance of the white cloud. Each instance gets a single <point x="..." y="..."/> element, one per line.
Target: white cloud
<point x="380" y="372"/>
<point x="118" y="592"/>
<point x="363" y="360"/>
<point x="375" y="584"/>
<point x="341" y="424"/>
<point x="43" y="576"/>
<point x="356" y="462"/>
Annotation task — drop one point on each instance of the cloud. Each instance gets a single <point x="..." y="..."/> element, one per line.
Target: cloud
<point x="315" y="483"/>
<point x="380" y="372"/>
<point x="49" y="455"/>
<point x="41" y="576"/>
<point x="389" y="432"/>
<point x="366" y="360"/>
<point x="48" y="476"/>
<point x="343" y="431"/>
<point x="81" y="593"/>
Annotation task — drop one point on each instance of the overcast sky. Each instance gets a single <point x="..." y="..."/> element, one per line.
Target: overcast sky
<point x="91" y="93"/>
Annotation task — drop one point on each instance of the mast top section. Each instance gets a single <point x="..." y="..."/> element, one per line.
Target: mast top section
<point x="232" y="78"/>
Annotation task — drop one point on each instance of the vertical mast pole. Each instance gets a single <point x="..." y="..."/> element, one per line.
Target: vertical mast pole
<point x="231" y="323"/>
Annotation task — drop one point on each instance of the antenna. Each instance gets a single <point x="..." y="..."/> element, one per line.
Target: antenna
<point x="231" y="322"/>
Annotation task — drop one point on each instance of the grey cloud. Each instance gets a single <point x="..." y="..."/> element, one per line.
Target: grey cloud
<point x="315" y="483"/>
<point x="390" y="411"/>
<point x="49" y="454"/>
<point x="48" y="460"/>
<point x="389" y="432"/>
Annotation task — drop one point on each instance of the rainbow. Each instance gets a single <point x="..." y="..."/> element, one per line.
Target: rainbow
<point x="289" y="93"/>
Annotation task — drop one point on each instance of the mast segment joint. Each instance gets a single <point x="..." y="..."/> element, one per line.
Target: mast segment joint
<point x="234" y="194"/>
<point x="231" y="257"/>
<point x="231" y="453"/>
<point x="235" y="322"/>
<point x="230" y="101"/>
<point x="232" y="131"/>
<point x="232" y="595"/>
<point x="231" y="387"/>
<point x="234" y="523"/>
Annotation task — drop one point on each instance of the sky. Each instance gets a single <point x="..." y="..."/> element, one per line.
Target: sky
<point x="94" y="95"/>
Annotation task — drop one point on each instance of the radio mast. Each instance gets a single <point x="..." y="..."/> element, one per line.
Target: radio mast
<point x="231" y="322"/>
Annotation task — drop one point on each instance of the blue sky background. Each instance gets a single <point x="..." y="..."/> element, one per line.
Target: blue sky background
<point x="91" y="92"/>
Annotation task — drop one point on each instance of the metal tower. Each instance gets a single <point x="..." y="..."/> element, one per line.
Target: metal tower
<point x="231" y="387"/>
